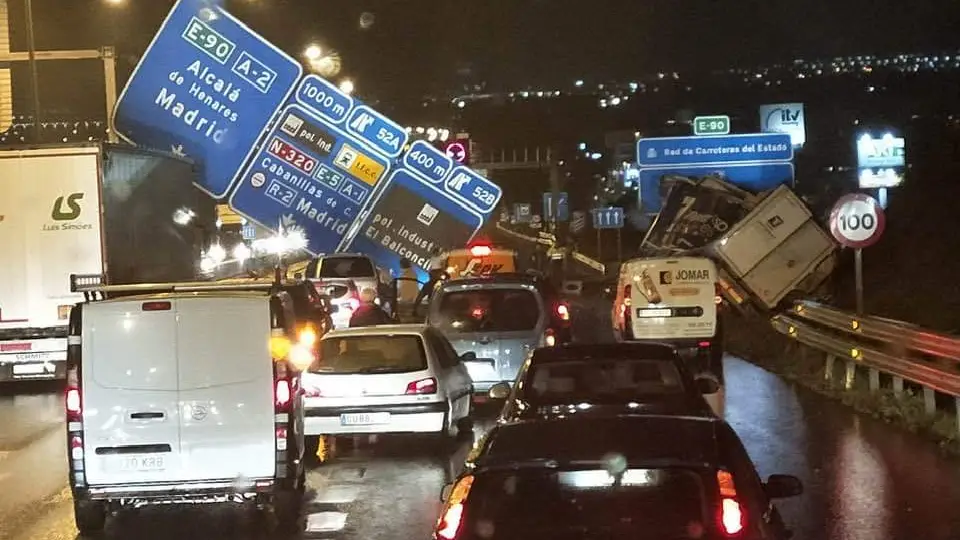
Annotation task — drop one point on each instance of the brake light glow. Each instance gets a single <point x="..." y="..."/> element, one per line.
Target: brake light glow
<point x="563" y="312"/>
<point x="155" y="306"/>
<point x="476" y="313"/>
<point x="704" y="344"/>
<point x="452" y="516"/>
<point x="282" y="394"/>
<point x="480" y="251"/>
<point x="732" y="520"/>
<point x="423" y="386"/>
<point x="73" y="404"/>
<point x="549" y="338"/>
<point x="307" y="337"/>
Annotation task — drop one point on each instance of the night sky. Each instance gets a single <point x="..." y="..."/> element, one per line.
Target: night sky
<point x="417" y="46"/>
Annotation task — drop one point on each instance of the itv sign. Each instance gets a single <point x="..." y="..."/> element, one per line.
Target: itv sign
<point x="784" y="118"/>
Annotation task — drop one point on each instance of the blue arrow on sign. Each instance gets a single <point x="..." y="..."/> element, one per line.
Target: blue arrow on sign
<point x="608" y="218"/>
<point x="411" y="217"/>
<point x="559" y="210"/>
<point x="309" y="174"/>
<point x="744" y="148"/>
<point x="206" y="88"/>
<point x="476" y="191"/>
<point x="380" y="132"/>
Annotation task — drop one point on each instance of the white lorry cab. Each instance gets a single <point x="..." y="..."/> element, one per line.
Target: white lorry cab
<point x="183" y="393"/>
<point x="674" y="301"/>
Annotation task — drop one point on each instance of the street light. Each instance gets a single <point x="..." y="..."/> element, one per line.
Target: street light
<point x="346" y="86"/>
<point x="313" y="53"/>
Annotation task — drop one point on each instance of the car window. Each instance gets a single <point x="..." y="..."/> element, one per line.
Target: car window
<point x="441" y="347"/>
<point x="489" y="310"/>
<point x="547" y="503"/>
<point x="371" y="354"/>
<point x="346" y="267"/>
<point x="594" y="380"/>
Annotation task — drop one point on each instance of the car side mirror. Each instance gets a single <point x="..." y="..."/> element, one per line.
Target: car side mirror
<point x="445" y="492"/>
<point x="469" y="356"/>
<point x="500" y="390"/>
<point x="783" y="486"/>
<point x="707" y="385"/>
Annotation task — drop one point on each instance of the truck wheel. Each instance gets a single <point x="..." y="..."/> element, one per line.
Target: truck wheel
<point x="287" y="503"/>
<point x="90" y="517"/>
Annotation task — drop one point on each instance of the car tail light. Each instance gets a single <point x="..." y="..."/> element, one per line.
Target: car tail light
<point x="307" y="336"/>
<point x="452" y="515"/>
<point x="563" y="311"/>
<point x="549" y="338"/>
<point x="423" y="386"/>
<point x="155" y="306"/>
<point x="704" y="344"/>
<point x="732" y="519"/>
<point x="480" y="251"/>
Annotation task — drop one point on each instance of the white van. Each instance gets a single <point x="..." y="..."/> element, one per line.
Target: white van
<point x="182" y="393"/>
<point x="675" y="301"/>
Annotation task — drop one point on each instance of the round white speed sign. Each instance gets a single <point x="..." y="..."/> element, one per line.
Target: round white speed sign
<point x="857" y="220"/>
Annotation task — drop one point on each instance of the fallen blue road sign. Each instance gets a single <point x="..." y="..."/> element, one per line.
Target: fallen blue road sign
<point x="473" y="190"/>
<point x="324" y="98"/>
<point x="744" y="148"/>
<point x="608" y="218"/>
<point x="312" y="175"/>
<point x="206" y="88"/>
<point x="755" y="177"/>
<point x="410" y="217"/>
<point x="428" y="161"/>
<point x="380" y="132"/>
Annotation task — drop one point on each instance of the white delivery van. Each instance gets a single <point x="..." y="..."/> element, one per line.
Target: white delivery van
<point x="673" y="301"/>
<point x="182" y="393"/>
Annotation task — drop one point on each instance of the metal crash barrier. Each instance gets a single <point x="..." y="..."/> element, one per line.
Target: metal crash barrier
<point x="902" y="350"/>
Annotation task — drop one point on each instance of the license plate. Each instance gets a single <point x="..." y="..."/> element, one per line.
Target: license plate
<point x="28" y="369"/>
<point x="139" y="463"/>
<point x="364" y="419"/>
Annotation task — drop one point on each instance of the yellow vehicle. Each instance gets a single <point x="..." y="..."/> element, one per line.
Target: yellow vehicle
<point x="480" y="259"/>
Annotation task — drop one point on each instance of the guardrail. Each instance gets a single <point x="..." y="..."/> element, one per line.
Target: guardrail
<point x="901" y="350"/>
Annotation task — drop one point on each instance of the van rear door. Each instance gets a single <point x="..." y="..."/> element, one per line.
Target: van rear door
<point x="131" y="414"/>
<point x="673" y="298"/>
<point x="225" y="376"/>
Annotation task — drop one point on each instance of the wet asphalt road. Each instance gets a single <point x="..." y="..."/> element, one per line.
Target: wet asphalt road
<point x="864" y="480"/>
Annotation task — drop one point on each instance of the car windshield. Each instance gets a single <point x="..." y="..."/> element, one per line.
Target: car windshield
<point x="601" y="380"/>
<point x="371" y="354"/>
<point x="489" y="310"/>
<point x="346" y="267"/>
<point x="540" y="503"/>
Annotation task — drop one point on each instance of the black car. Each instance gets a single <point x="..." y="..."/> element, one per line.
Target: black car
<point x="639" y="477"/>
<point x="604" y="378"/>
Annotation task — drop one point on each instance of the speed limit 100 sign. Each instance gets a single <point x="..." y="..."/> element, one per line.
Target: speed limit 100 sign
<point x="857" y="220"/>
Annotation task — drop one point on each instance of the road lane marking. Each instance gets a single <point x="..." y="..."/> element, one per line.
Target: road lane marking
<point x="326" y="522"/>
<point x="337" y="494"/>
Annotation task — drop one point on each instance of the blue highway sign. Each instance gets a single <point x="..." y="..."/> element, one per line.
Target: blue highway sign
<point x="744" y="148"/>
<point x="381" y="133"/>
<point x="559" y="211"/>
<point x="473" y="190"/>
<point x="410" y="217"/>
<point x="608" y="218"/>
<point x="206" y="88"/>
<point x="324" y="98"/>
<point x="755" y="177"/>
<point x="428" y="161"/>
<point x="310" y="174"/>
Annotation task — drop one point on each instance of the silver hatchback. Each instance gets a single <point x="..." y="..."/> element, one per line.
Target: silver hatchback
<point x="501" y="319"/>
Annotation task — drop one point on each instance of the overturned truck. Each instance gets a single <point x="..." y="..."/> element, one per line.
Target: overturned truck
<point x="768" y="247"/>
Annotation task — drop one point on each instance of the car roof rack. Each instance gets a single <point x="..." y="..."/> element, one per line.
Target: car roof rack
<point x="92" y="285"/>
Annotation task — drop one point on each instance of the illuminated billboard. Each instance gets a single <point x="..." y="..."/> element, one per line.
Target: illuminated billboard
<point x="881" y="162"/>
<point x="785" y="118"/>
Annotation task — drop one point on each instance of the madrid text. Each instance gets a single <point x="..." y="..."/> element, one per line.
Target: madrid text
<point x="201" y="100"/>
<point x="321" y="205"/>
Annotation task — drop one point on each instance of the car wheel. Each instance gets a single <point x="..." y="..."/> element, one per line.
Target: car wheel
<point x="465" y="424"/>
<point x="90" y="517"/>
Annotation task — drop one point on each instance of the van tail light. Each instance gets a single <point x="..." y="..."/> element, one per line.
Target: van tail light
<point x="704" y="344"/>
<point x="563" y="311"/>
<point x="732" y="519"/>
<point x="549" y="338"/>
<point x="627" y="293"/>
<point x="451" y="518"/>
<point x="421" y="387"/>
<point x="74" y="404"/>
<point x="717" y="294"/>
<point x="480" y="251"/>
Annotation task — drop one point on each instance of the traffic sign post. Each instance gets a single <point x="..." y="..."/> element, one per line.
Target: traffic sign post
<point x="611" y="217"/>
<point x="857" y="221"/>
<point x="556" y="209"/>
<point x="458" y="150"/>
<point x="310" y="175"/>
<point x="522" y="212"/>
<point x="711" y="125"/>
<point x="206" y="88"/>
<point x="755" y="161"/>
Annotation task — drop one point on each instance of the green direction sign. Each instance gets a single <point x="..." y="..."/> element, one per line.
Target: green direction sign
<point x="711" y="125"/>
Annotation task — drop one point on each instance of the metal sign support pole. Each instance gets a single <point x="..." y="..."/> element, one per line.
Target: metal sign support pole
<point x="619" y="246"/>
<point x="858" y="277"/>
<point x="599" y="244"/>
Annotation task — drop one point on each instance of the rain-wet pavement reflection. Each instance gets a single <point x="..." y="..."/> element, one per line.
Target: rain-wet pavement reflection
<point x="864" y="480"/>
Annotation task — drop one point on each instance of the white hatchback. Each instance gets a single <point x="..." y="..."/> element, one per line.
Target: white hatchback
<point x="387" y="379"/>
